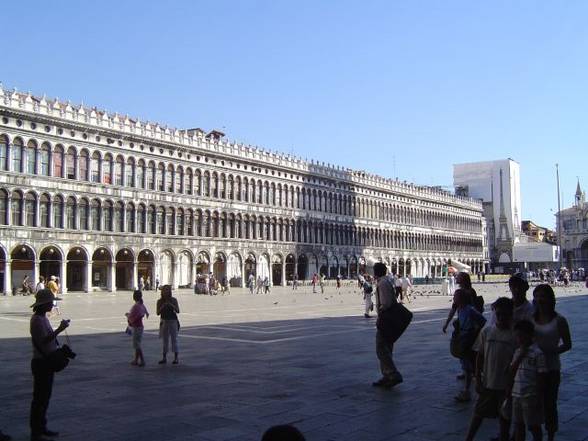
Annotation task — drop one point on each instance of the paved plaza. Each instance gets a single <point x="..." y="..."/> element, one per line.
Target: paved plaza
<point x="251" y="361"/>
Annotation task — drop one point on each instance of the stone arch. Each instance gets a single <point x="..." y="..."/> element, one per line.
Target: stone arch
<point x="166" y="268"/>
<point x="219" y="267"/>
<point x="184" y="269"/>
<point x="146" y="268"/>
<point x="125" y="265"/>
<point x="101" y="268"/>
<point x="23" y="259"/>
<point x="51" y="262"/>
<point x="77" y="269"/>
<point x="250" y="266"/>
<point x="277" y="269"/>
<point x="203" y="263"/>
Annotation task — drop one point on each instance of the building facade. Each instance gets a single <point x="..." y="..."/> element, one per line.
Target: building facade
<point x="497" y="185"/>
<point x="102" y="200"/>
<point x="573" y="222"/>
<point x="537" y="233"/>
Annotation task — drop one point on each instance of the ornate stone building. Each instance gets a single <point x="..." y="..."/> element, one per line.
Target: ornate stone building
<point x="574" y="232"/>
<point x="101" y="200"/>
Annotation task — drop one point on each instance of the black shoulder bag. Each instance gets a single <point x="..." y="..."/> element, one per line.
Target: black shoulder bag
<point x="58" y="359"/>
<point x="392" y="322"/>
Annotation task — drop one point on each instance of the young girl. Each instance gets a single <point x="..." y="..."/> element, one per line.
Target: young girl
<point x="135" y="319"/>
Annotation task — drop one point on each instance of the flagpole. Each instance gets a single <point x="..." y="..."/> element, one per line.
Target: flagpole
<point x="559" y="217"/>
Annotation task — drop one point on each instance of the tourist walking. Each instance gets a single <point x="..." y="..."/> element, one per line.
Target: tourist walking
<point x="266" y="285"/>
<point x="398" y="287"/>
<point x="360" y="282"/>
<point x="406" y="285"/>
<point x="339" y="283"/>
<point x="135" y="322"/>
<point x="54" y="288"/>
<point x="368" y="291"/>
<point x="211" y="284"/>
<point x="168" y="309"/>
<point x="294" y="282"/>
<point x="225" y="285"/>
<point x="386" y="303"/>
<point x="141" y="284"/>
<point x="259" y="285"/>
<point x="40" y="284"/>
<point x="148" y="283"/>
<point x="314" y="282"/>
<point x="156" y="283"/>
<point x="44" y="340"/>
<point x="495" y="347"/>
<point x="251" y="283"/>
<point x="322" y="283"/>
<point x="26" y="288"/>
<point x="552" y="334"/>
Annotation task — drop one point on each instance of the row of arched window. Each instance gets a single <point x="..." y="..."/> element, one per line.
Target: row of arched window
<point x="92" y="214"/>
<point x="149" y="175"/>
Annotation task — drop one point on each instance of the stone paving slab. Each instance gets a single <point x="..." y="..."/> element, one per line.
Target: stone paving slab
<point x="248" y="362"/>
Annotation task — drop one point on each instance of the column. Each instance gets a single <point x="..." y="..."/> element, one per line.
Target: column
<point x="243" y="281"/>
<point x="63" y="277"/>
<point x="112" y="281"/>
<point x="88" y="287"/>
<point x="270" y="273"/>
<point x="37" y="271"/>
<point x="135" y="274"/>
<point x="8" y="278"/>
<point x="193" y="281"/>
<point x="284" y="273"/>
<point x="174" y="275"/>
<point x="76" y="166"/>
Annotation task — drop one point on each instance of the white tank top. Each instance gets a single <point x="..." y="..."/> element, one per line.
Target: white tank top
<point x="547" y="338"/>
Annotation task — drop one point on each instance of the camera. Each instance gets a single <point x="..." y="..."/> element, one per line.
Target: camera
<point x="68" y="352"/>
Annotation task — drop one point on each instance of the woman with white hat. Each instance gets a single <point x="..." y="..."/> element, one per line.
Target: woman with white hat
<point x="44" y="343"/>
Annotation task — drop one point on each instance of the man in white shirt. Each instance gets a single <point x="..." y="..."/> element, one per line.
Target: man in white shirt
<point x="406" y="284"/>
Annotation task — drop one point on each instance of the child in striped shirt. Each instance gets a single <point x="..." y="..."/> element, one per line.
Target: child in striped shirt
<point x="528" y="373"/>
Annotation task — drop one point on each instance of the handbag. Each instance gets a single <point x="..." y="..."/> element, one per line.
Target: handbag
<point x="392" y="322"/>
<point x="58" y="359"/>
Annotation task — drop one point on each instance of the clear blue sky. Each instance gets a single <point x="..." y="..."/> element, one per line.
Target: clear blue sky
<point x="397" y="88"/>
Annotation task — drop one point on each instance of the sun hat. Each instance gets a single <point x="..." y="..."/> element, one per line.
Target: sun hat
<point x="43" y="297"/>
<point x="53" y="278"/>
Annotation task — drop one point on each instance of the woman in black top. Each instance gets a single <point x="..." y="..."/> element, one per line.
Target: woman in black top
<point x="168" y="309"/>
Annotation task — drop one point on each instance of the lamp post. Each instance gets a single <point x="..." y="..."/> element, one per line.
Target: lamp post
<point x="559" y="217"/>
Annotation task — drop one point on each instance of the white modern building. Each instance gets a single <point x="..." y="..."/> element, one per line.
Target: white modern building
<point x="497" y="185"/>
<point x="102" y="200"/>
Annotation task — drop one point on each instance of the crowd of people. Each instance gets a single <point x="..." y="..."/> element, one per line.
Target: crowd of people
<point x="511" y="356"/>
<point x="514" y="357"/>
